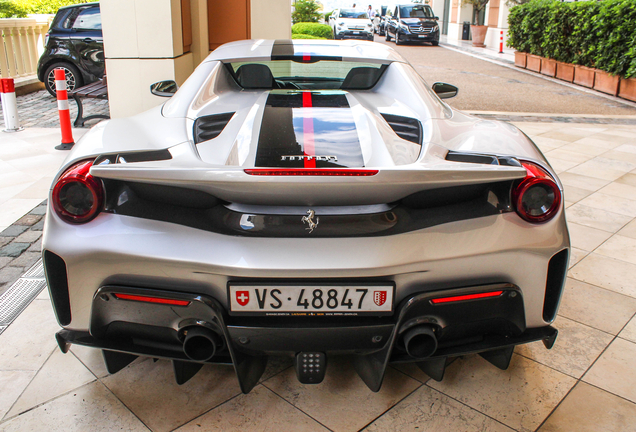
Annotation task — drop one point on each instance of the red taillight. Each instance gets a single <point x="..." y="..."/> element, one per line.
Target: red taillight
<point x="466" y="297"/>
<point x="310" y="172"/>
<point x="146" y="299"/>
<point x="537" y="198"/>
<point x="77" y="196"/>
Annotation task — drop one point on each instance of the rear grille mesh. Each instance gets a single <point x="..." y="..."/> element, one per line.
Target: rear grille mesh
<point x="406" y="128"/>
<point x="208" y="127"/>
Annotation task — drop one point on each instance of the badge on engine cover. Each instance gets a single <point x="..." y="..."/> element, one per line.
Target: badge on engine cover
<point x="309" y="219"/>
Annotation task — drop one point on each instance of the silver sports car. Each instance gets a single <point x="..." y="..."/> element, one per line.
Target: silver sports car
<point x="305" y="198"/>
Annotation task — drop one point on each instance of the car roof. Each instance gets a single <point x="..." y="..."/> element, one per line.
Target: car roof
<point x="264" y="50"/>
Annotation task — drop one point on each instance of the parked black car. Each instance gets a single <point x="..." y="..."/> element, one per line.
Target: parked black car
<point x="74" y="42"/>
<point x="413" y="23"/>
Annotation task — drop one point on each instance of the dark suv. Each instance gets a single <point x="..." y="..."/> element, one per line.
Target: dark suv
<point x="413" y="23"/>
<point x="74" y="42"/>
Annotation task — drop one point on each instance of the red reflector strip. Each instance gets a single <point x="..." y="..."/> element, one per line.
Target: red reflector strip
<point x="311" y="172"/>
<point x="466" y="297"/>
<point x="152" y="299"/>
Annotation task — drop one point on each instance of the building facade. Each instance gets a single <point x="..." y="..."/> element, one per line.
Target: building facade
<point x="146" y="41"/>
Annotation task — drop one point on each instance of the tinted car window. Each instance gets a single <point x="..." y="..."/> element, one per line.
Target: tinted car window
<point x="88" y="19"/>
<point x="416" y="12"/>
<point x="344" y="13"/>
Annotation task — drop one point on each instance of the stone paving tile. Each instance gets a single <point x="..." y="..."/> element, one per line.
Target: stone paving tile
<point x="614" y="371"/>
<point x="40" y="110"/>
<point x="589" y="409"/>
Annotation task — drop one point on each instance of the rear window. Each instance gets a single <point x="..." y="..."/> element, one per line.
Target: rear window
<point x="88" y="19"/>
<point x="317" y="75"/>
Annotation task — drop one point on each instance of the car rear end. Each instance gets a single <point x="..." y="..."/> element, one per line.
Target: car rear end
<point x="416" y="257"/>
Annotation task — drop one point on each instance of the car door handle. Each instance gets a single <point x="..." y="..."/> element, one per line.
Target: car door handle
<point x="87" y="40"/>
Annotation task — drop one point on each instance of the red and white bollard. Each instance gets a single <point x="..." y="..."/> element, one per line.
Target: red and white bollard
<point x="501" y="43"/>
<point x="9" y="105"/>
<point x="65" y="115"/>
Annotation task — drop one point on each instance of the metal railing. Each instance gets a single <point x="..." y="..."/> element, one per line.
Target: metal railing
<point x="21" y="44"/>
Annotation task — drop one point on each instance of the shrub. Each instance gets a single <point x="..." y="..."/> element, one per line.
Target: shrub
<point x="305" y="36"/>
<point x="327" y="15"/>
<point x="589" y="33"/>
<point x="322" y="31"/>
<point x="306" y="11"/>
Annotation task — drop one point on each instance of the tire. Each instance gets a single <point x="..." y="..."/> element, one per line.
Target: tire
<point x="388" y="36"/>
<point x="74" y="78"/>
<point x="435" y="43"/>
<point x="397" y="38"/>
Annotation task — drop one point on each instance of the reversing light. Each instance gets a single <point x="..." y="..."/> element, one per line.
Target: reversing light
<point x="537" y="198"/>
<point x="466" y="297"/>
<point x="156" y="300"/>
<point x="77" y="196"/>
<point x="310" y="172"/>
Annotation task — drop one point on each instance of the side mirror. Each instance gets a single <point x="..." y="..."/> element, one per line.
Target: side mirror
<point x="164" y="88"/>
<point x="436" y="18"/>
<point x="445" y="91"/>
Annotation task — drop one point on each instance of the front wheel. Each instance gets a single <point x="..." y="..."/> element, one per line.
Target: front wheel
<point x="435" y="43"/>
<point x="398" y="41"/>
<point x="73" y="77"/>
<point x="388" y="36"/>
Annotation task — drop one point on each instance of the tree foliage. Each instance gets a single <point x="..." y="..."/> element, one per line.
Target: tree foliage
<point x="306" y="11"/>
<point x="21" y="8"/>
<point x="589" y="33"/>
<point x="478" y="6"/>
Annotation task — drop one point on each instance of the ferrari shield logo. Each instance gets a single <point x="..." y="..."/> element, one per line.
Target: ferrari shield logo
<point x="242" y="297"/>
<point x="379" y="297"/>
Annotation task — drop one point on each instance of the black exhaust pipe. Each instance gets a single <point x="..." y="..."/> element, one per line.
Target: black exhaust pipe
<point x="200" y="343"/>
<point x="420" y="341"/>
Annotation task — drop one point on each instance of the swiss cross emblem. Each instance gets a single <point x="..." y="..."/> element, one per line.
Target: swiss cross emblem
<point x="242" y="297"/>
<point x="379" y="297"/>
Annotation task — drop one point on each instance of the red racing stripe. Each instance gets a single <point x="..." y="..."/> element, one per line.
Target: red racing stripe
<point x="308" y="131"/>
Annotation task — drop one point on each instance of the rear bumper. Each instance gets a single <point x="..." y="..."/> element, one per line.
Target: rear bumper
<point x="155" y="330"/>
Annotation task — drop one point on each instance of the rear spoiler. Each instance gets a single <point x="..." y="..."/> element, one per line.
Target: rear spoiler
<point x="389" y="184"/>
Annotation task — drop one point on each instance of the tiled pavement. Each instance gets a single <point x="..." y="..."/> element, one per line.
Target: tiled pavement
<point x="587" y="382"/>
<point x="39" y="109"/>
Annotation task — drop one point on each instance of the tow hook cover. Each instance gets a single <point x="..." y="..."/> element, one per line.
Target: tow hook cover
<point x="311" y="367"/>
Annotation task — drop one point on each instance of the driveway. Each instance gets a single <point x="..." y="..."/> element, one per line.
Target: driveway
<point x="486" y="86"/>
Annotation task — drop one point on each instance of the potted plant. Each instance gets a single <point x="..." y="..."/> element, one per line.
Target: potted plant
<point x="477" y="28"/>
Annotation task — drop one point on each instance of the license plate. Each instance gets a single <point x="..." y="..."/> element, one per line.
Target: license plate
<point x="356" y="32"/>
<point x="311" y="300"/>
<point x="422" y="36"/>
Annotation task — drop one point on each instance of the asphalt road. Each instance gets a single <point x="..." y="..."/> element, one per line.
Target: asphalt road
<point x="486" y="86"/>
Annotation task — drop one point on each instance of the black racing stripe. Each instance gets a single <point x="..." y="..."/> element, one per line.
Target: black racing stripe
<point x="284" y="50"/>
<point x="283" y="132"/>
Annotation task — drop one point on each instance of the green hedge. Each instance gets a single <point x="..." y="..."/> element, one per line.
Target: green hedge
<point x="321" y="31"/>
<point x="589" y="33"/>
<point x="20" y="8"/>
<point x="305" y="36"/>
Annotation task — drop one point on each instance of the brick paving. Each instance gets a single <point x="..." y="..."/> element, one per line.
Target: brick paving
<point x="20" y="246"/>
<point x="39" y="109"/>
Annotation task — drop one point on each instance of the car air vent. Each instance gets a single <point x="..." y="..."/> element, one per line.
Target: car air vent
<point x="142" y="156"/>
<point x="482" y="159"/>
<point x="406" y="128"/>
<point x="208" y="127"/>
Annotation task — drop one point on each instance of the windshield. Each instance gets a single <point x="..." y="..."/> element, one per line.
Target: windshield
<point x="318" y="75"/>
<point x="352" y="13"/>
<point x="418" y="11"/>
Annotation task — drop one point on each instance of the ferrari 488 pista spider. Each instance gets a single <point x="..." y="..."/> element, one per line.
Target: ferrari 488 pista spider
<point x="305" y="198"/>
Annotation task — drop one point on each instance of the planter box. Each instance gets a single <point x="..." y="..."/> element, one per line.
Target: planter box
<point x="606" y="83"/>
<point x="520" y="59"/>
<point x="565" y="71"/>
<point x="627" y="89"/>
<point x="479" y="35"/>
<point x="533" y="63"/>
<point x="548" y="67"/>
<point x="584" y="76"/>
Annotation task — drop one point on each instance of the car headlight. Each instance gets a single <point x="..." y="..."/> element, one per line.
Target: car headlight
<point x="436" y="28"/>
<point x="404" y="27"/>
